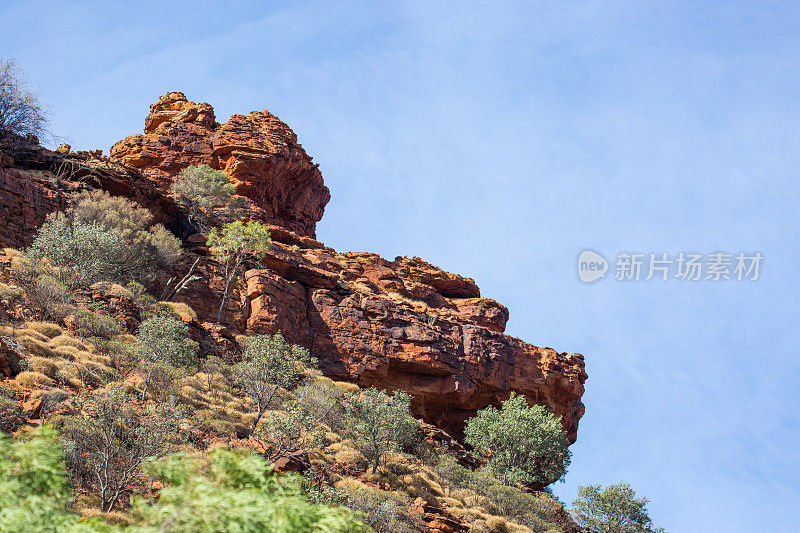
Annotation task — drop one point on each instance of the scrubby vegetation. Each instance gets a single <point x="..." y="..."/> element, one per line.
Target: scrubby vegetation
<point x="208" y="197"/>
<point x="527" y="444"/>
<point x="613" y="509"/>
<point x="103" y="238"/>
<point x="233" y="244"/>
<point x="150" y="418"/>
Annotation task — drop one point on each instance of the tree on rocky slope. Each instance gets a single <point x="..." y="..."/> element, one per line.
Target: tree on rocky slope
<point x="163" y="350"/>
<point x="524" y="444"/>
<point x="208" y="197"/>
<point x="103" y="238"/>
<point x="234" y="243"/>
<point x="613" y="509"/>
<point x="379" y="423"/>
<point x="21" y="113"/>
<point x="269" y="365"/>
<point x="108" y="446"/>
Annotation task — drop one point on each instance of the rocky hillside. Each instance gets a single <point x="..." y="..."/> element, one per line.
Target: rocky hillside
<point x="395" y="324"/>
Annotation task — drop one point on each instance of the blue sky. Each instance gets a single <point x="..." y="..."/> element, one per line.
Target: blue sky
<point x="498" y="140"/>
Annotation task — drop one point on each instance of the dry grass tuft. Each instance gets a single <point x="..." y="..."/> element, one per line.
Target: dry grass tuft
<point x="35" y="345"/>
<point x="350" y="388"/>
<point x="421" y="484"/>
<point x="68" y="340"/>
<point x="125" y="338"/>
<point x="344" y="452"/>
<point x="48" y="329"/>
<point x="70" y="353"/>
<point x="43" y="365"/>
<point x="10" y="293"/>
<point x="111" y="289"/>
<point x="31" y="380"/>
<point x="183" y="310"/>
<point x="17" y="259"/>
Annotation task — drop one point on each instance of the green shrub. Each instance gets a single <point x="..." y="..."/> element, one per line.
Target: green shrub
<point x="537" y="512"/>
<point x="527" y="444"/>
<point x="208" y="197"/>
<point x="52" y="296"/>
<point x="242" y="492"/>
<point x="79" y="253"/>
<point x="290" y="431"/>
<point x="34" y="492"/>
<point x="613" y="508"/>
<point x="269" y="365"/>
<point x="103" y="238"/>
<point x="108" y="444"/>
<point x="96" y="324"/>
<point x="10" y="415"/>
<point x="324" y="402"/>
<point x="379" y="423"/>
<point x="384" y="511"/>
<point x="163" y="350"/>
<point x="148" y="246"/>
<point x="231" y="245"/>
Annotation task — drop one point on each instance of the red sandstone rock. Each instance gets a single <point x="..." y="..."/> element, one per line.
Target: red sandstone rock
<point x="258" y="151"/>
<point x="402" y="324"/>
<point x="11" y="356"/>
<point x="453" y="357"/>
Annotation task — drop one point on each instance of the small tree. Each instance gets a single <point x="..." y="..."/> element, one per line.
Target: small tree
<point x="104" y="238"/>
<point x="290" y="431"/>
<point x="613" y="509"/>
<point x="208" y="197"/>
<point x="163" y="348"/>
<point x="214" y="367"/>
<point x="270" y="364"/>
<point x="108" y="447"/>
<point x="80" y="254"/>
<point x="233" y="244"/>
<point x="21" y="113"/>
<point x="527" y="444"/>
<point x="148" y="245"/>
<point x="380" y="423"/>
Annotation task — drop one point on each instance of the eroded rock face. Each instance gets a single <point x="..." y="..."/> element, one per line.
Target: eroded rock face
<point x="258" y="151"/>
<point x="401" y="324"/>
<point x="376" y="323"/>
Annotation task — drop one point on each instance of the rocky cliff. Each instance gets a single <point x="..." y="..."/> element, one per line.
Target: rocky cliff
<point x="258" y="151"/>
<point x="395" y="324"/>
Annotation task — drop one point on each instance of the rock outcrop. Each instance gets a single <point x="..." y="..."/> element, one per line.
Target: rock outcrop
<point x="401" y="324"/>
<point x="258" y="151"/>
<point x="388" y="324"/>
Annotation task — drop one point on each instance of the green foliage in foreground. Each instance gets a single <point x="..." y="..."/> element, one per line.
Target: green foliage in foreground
<point x="613" y="509"/>
<point x="34" y="492"/>
<point x="233" y="491"/>
<point x="527" y="444"/>
<point x="223" y="491"/>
